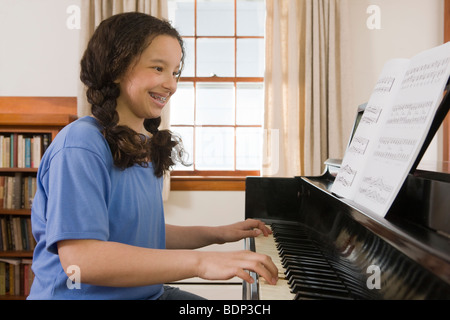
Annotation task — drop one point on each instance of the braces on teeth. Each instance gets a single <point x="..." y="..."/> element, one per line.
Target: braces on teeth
<point x="162" y="99"/>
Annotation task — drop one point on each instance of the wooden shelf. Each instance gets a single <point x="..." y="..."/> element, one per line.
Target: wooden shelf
<point x="16" y="254"/>
<point x="39" y="105"/>
<point x="9" y="297"/>
<point x="31" y="115"/>
<point x="33" y="170"/>
<point x="15" y="212"/>
<point x="36" y="120"/>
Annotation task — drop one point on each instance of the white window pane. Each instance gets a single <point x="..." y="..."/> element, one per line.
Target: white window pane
<point x="214" y="148"/>
<point x="250" y="57"/>
<point x="187" y="137"/>
<point x="189" y="59"/>
<point x="182" y="16"/>
<point x="215" y="57"/>
<point x="249" y="103"/>
<point x="248" y="148"/>
<point x="215" y="104"/>
<point x="215" y="18"/>
<point x="251" y="17"/>
<point x="182" y="104"/>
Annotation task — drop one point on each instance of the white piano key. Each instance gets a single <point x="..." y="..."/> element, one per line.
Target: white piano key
<point x="266" y="245"/>
<point x="280" y="291"/>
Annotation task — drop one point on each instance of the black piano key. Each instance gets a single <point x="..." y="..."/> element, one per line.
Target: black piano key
<point x="303" y="249"/>
<point x="304" y="295"/>
<point x="293" y="265"/>
<point x="316" y="261"/>
<point x="314" y="271"/>
<point x="312" y="288"/>
<point x="305" y="259"/>
<point x="311" y="271"/>
<point x="325" y="283"/>
<point x="300" y="252"/>
<point x="310" y="274"/>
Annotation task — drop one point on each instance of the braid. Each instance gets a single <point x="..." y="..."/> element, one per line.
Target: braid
<point x="152" y="125"/>
<point x="165" y="147"/>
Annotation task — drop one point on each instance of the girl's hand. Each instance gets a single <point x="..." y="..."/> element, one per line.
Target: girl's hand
<point x="226" y="265"/>
<point x="245" y="229"/>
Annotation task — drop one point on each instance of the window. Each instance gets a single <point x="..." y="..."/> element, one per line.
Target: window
<point x="218" y="107"/>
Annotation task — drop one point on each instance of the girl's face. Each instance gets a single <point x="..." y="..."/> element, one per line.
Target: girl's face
<point x="149" y="82"/>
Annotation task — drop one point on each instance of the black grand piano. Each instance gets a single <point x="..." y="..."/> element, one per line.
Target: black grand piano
<point x="329" y="248"/>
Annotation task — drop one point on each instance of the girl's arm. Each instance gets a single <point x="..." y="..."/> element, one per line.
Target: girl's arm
<point x="181" y="237"/>
<point x="115" y="264"/>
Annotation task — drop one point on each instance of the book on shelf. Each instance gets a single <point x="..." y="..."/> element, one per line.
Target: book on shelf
<point x="16" y="234"/>
<point x="17" y="191"/>
<point x="16" y="276"/>
<point x="19" y="150"/>
<point x="393" y="128"/>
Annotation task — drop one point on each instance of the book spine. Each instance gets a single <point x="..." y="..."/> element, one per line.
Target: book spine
<point x="16" y="234"/>
<point x="27" y="152"/>
<point x="16" y="277"/>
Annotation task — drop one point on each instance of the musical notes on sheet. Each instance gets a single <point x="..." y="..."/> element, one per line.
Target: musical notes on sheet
<point x="384" y="85"/>
<point x="410" y="113"/>
<point x="393" y="128"/>
<point x="375" y="188"/>
<point x="347" y="176"/>
<point x="396" y="149"/>
<point x="425" y="74"/>
<point x="358" y="145"/>
<point x="371" y="114"/>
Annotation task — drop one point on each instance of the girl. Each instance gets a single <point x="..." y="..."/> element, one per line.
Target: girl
<point x="98" y="215"/>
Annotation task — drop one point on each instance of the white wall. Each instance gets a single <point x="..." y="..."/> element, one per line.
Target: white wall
<point x="407" y="28"/>
<point x="38" y="57"/>
<point x="38" y="52"/>
<point x="206" y="208"/>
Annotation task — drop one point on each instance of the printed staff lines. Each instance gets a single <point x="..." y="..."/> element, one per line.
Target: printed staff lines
<point x="410" y="113"/>
<point x="346" y="175"/>
<point x="371" y="114"/>
<point x="398" y="149"/>
<point x="384" y="85"/>
<point x="425" y="74"/>
<point x="358" y="145"/>
<point x="375" y="188"/>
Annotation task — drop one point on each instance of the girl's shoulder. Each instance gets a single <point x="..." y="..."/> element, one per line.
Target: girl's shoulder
<point x="84" y="133"/>
<point x="83" y="127"/>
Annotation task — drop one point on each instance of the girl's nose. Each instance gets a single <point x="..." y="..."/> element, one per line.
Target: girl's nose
<point x="170" y="83"/>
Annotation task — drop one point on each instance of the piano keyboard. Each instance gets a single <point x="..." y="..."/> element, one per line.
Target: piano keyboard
<point x="280" y="291"/>
<point x="304" y="272"/>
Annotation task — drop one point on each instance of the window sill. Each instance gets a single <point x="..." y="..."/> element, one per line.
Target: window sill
<point x="198" y="183"/>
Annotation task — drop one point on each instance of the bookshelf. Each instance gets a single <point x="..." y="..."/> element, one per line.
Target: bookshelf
<point x="27" y="127"/>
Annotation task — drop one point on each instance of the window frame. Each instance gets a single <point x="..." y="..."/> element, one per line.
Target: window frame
<point x="215" y="179"/>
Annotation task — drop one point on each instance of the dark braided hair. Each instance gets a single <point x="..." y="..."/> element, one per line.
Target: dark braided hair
<point x="115" y="44"/>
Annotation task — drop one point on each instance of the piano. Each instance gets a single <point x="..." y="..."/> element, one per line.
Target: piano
<point x="327" y="247"/>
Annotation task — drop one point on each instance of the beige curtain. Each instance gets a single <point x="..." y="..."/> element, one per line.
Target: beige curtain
<point x="306" y="113"/>
<point x="92" y="13"/>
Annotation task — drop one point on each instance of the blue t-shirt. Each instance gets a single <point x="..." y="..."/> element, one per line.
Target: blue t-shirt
<point x="82" y="195"/>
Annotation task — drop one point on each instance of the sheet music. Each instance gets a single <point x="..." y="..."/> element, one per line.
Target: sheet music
<point x="363" y="141"/>
<point x="393" y="128"/>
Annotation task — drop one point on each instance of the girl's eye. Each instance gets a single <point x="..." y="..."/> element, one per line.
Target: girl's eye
<point x="177" y="73"/>
<point x="159" y="69"/>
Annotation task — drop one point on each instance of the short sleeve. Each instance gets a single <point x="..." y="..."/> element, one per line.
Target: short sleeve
<point x="78" y="195"/>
